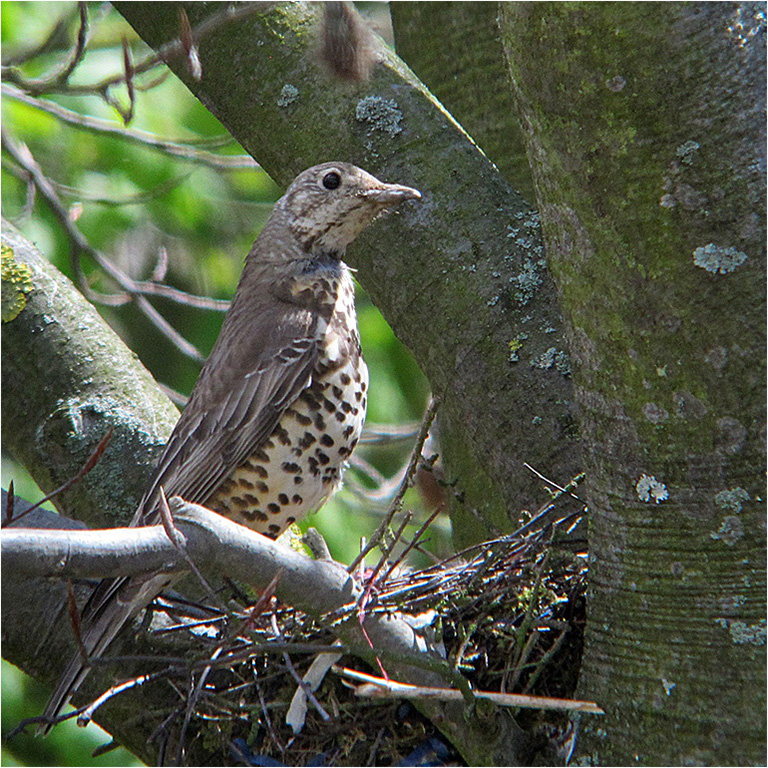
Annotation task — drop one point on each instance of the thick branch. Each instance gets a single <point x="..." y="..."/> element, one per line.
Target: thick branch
<point x="68" y="378"/>
<point x="214" y="544"/>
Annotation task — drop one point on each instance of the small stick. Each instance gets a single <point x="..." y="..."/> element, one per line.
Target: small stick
<point x="375" y="686"/>
<point x="413" y="464"/>
<point x="90" y="463"/>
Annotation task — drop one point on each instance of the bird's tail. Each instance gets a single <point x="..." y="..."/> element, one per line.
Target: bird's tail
<point x="113" y="603"/>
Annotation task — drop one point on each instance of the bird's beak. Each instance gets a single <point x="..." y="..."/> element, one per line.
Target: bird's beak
<point x="392" y="194"/>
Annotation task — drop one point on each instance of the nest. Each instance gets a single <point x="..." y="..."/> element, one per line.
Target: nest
<point x="509" y="614"/>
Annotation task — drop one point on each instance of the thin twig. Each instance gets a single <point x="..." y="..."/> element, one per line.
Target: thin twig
<point x="79" y="244"/>
<point x="297" y="677"/>
<point x="412" y="543"/>
<point x="377" y="686"/>
<point x="413" y="464"/>
<point x="86" y="715"/>
<point x="90" y="463"/>
<point x="192" y="700"/>
<point x="177" y="539"/>
<point x="178" y="149"/>
<point x="553" y="483"/>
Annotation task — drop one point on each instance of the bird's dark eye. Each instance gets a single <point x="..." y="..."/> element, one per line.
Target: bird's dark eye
<point x="331" y="180"/>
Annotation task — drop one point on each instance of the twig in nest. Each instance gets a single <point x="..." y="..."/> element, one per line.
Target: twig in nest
<point x="413" y="542"/>
<point x="297" y="677"/>
<point x="375" y="686"/>
<point x="86" y="714"/>
<point x="413" y="464"/>
<point x="177" y="539"/>
<point x="192" y="700"/>
<point x="363" y="600"/>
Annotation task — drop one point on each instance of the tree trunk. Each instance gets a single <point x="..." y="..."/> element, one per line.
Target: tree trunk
<point x="456" y="51"/>
<point x="464" y="286"/>
<point x="646" y="125"/>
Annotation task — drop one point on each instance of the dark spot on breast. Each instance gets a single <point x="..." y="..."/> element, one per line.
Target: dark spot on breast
<point x="262" y="486"/>
<point x="323" y="458"/>
<point x="345" y="380"/>
<point x="282" y="435"/>
<point x="307" y="440"/>
<point x="289" y="466"/>
<point x="245" y="482"/>
<point x="227" y="486"/>
<point x="330" y="406"/>
<point x="344" y="451"/>
<point x="298" y="480"/>
<point x="273" y="508"/>
<point x="251" y="499"/>
<point x="296" y="499"/>
<point x="346" y="407"/>
<point x="261" y="455"/>
<point x="303" y="419"/>
<point x="311" y="401"/>
<point x="337" y="392"/>
<point x="282" y="498"/>
<point x="274" y="530"/>
<point x="348" y="430"/>
<point x="320" y="421"/>
<point x="326" y="440"/>
<point x="340" y="416"/>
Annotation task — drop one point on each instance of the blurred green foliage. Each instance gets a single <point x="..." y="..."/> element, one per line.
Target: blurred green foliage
<point x="131" y="202"/>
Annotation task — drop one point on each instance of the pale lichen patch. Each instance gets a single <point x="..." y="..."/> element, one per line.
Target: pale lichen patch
<point x="379" y="114"/>
<point x="288" y="94"/>
<point x="649" y="489"/>
<point x="718" y="259"/>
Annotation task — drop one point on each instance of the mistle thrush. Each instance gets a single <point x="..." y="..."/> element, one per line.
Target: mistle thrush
<point x="280" y="402"/>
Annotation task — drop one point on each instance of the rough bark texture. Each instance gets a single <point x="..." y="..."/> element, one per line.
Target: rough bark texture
<point x="460" y="277"/>
<point x="68" y="379"/>
<point x="456" y="51"/>
<point x="646" y="137"/>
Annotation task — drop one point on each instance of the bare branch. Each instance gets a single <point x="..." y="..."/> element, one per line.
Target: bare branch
<point x="134" y="136"/>
<point x="317" y="587"/>
<point x="413" y="464"/>
<point x="80" y="244"/>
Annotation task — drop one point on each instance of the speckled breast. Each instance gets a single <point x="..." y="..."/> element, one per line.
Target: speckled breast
<point x="300" y="466"/>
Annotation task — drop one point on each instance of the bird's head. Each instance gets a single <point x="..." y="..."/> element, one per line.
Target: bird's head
<point x="329" y="205"/>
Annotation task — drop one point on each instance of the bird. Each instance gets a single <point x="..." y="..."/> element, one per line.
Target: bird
<point x="280" y="403"/>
